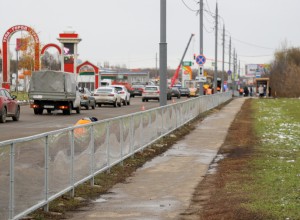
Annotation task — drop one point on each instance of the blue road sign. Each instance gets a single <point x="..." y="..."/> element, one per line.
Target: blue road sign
<point x="200" y="59"/>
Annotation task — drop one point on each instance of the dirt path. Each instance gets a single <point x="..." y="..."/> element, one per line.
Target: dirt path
<point x="212" y="198"/>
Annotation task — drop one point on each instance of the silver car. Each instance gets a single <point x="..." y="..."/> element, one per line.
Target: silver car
<point x="107" y="96"/>
<point x="123" y="92"/>
<point x="150" y="92"/>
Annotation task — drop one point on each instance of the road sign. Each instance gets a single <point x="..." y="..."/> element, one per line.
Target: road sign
<point x="229" y="72"/>
<point x="202" y="79"/>
<point x="200" y="59"/>
<point x="187" y="63"/>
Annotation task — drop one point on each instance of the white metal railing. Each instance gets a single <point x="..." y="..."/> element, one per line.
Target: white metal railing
<point x="37" y="169"/>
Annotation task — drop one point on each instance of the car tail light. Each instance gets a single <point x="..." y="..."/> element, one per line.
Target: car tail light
<point x="62" y="107"/>
<point x="34" y="106"/>
<point x="122" y="92"/>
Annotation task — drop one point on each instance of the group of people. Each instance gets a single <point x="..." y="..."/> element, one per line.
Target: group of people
<point x="246" y="91"/>
<point x="262" y="91"/>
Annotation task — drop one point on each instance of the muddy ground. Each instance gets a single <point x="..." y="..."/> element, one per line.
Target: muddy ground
<point x="211" y="199"/>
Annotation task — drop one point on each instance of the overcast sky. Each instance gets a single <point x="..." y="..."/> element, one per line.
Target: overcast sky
<point x="127" y="32"/>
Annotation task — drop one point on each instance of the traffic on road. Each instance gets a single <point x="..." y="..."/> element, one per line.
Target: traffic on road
<point x="32" y="124"/>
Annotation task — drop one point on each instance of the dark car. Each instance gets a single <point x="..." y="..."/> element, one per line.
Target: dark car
<point x="9" y="106"/>
<point x="175" y="92"/>
<point x="86" y="98"/>
<point x="137" y="90"/>
<point x="184" y="92"/>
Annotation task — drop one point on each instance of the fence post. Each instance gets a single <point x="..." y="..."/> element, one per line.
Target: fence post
<point x="107" y="145"/>
<point x="72" y="193"/>
<point x="46" y="207"/>
<point x="121" y="125"/>
<point x="92" y="181"/>
<point x="11" y="182"/>
<point x="131" y="136"/>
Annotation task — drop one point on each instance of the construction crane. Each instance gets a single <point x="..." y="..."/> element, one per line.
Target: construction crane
<point x="178" y="68"/>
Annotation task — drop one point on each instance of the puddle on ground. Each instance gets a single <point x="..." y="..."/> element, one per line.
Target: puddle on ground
<point x="182" y="150"/>
<point x="100" y="200"/>
<point x="213" y="167"/>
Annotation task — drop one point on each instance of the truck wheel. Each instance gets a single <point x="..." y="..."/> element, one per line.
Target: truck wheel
<point x="68" y="111"/>
<point x="39" y="111"/>
<point x="3" y="116"/>
<point x="36" y="111"/>
<point x="79" y="108"/>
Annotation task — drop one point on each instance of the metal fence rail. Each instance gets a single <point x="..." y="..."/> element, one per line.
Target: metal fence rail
<point x="38" y="169"/>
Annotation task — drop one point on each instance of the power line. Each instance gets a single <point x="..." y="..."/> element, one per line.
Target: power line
<point x="254" y="45"/>
<point x="189" y="7"/>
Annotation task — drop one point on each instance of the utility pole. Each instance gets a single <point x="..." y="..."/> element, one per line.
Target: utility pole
<point x="230" y="62"/>
<point x="223" y="62"/>
<point x="233" y="83"/>
<point x="163" y="54"/>
<point x="216" y="51"/>
<point x="156" y="70"/>
<point x="239" y="69"/>
<point x="201" y="44"/>
<point x="236" y="69"/>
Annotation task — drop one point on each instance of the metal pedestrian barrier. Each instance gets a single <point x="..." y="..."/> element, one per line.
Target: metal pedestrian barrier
<point x="36" y="170"/>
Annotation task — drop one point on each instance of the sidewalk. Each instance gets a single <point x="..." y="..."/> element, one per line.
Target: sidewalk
<point x="163" y="187"/>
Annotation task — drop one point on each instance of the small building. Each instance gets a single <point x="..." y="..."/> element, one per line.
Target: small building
<point x="263" y="82"/>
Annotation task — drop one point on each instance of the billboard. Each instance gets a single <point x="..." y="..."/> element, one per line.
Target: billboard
<point x="256" y="70"/>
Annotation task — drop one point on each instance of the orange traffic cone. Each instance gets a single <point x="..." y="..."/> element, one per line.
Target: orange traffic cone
<point x="143" y="108"/>
<point x="173" y="100"/>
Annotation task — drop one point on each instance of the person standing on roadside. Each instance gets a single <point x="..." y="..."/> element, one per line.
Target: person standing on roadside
<point x="251" y="91"/>
<point x="261" y="91"/>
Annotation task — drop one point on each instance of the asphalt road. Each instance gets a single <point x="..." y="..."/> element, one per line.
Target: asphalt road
<point x="31" y="124"/>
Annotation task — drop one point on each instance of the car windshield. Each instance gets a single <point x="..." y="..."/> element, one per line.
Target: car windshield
<point x="138" y="86"/>
<point x="119" y="88"/>
<point x="104" y="90"/>
<point x="151" y="88"/>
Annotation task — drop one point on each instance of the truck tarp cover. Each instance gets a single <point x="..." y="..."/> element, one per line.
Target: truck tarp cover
<point x="53" y="81"/>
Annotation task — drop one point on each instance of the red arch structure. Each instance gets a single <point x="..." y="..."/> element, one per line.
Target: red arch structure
<point x="96" y="71"/>
<point x="50" y="45"/>
<point x="5" y="57"/>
